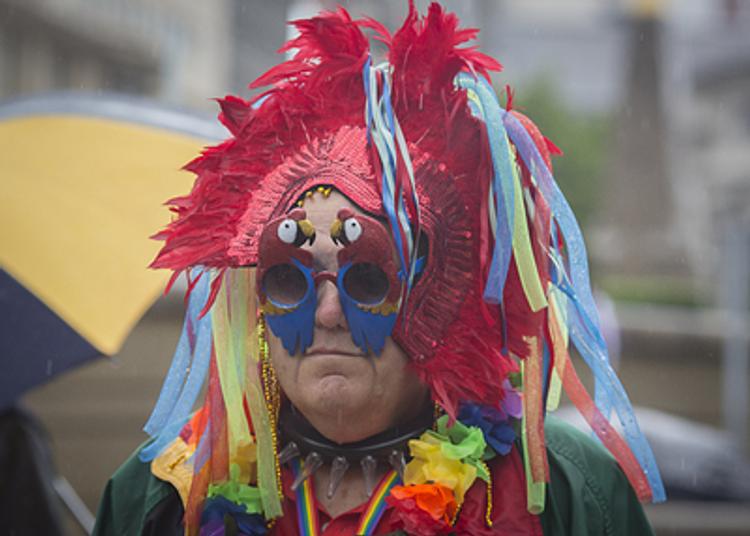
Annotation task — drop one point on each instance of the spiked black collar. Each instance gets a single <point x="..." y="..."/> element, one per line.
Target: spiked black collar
<point x="390" y="447"/>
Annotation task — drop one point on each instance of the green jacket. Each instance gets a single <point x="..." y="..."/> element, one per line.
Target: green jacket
<point x="588" y="494"/>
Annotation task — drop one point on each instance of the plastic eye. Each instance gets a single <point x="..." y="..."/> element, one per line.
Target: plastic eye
<point x="352" y="229"/>
<point x="287" y="231"/>
<point x="284" y="284"/>
<point x="366" y="283"/>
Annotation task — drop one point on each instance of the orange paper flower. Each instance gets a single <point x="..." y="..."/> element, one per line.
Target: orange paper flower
<point x="435" y="499"/>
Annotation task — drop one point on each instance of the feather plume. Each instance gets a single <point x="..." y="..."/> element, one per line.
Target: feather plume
<point x="312" y="94"/>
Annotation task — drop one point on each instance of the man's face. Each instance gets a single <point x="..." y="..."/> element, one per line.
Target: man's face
<point x="346" y="394"/>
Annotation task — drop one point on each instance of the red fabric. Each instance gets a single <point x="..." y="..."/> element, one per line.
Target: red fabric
<point x="344" y="525"/>
<point x="509" y="514"/>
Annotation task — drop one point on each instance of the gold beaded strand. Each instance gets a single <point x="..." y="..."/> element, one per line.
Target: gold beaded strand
<point x="324" y="190"/>
<point x="455" y="516"/>
<point x="488" y="512"/>
<point x="437" y="412"/>
<point x="272" y="397"/>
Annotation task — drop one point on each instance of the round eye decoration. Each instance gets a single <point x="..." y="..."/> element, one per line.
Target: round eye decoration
<point x="287" y="231"/>
<point x="296" y="229"/>
<point x="352" y="229"/>
<point x="345" y="228"/>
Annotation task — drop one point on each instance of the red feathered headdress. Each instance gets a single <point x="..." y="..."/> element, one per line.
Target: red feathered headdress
<point x="505" y="273"/>
<point x="309" y="129"/>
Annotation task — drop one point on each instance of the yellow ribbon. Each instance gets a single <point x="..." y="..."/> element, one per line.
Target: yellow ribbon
<point x="522" y="251"/>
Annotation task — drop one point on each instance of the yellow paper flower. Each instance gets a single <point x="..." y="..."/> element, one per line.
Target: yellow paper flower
<point x="245" y="460"/>
<point x="429" y="465"/>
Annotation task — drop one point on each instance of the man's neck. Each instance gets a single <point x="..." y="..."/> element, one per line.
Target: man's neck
<point x="350" y="493"/>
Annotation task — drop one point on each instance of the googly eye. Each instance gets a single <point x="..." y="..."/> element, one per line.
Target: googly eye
<point x="287" y="231"/>
<point x="352" y="229"/>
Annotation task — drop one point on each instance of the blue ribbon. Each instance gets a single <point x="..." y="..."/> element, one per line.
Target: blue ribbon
<point x="388" y="160"/>
<point x="573" y="279"/>
<point x="181" y="388"/>
<point x="502" y="182"/>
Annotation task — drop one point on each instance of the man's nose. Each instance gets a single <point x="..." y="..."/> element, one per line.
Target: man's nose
<point x="329" y="314"/>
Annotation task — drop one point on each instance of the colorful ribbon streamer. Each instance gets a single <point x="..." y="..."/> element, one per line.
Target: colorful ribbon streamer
<point x="583" y="317"/>
<point x="580" y="321"/>
<point x="502" y="189"/>
<point x="384" y="132"/>
<point x="186" y="374"/>
<point x="376" y="507"/>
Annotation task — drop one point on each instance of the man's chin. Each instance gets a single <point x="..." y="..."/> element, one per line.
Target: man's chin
<point x="334" y="403"/>
<point x="337" y="393"/>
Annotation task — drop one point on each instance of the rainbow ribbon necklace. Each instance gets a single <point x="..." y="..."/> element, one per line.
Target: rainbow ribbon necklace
<point x="307" y="506"/>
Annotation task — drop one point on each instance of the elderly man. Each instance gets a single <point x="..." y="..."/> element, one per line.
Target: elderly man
<point x="384" y="280"/>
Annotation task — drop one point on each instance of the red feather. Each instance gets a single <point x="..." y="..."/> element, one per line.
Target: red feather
<point x="426" y="57"/>
<point x="234" y="112"/>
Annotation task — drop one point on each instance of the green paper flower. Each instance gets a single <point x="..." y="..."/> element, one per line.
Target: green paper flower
<point x="237" y="492"/>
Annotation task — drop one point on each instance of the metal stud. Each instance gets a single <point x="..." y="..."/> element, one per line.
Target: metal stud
<point x="398" y="461"/>
<point x="313" y="462"/>
<point x="339" y="466"/>
<point x="288" y="453"/>
<point x="369" y="466"/>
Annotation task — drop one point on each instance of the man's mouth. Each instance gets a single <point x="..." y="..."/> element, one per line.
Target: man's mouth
<point x="322" y="350"/>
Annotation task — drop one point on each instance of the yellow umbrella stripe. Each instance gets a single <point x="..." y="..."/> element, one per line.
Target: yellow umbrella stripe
<point x="89" y="191"/>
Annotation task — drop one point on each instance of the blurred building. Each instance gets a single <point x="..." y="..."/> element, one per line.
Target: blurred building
<point x="176" y="51"/>
<point x="709" y="95"/>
